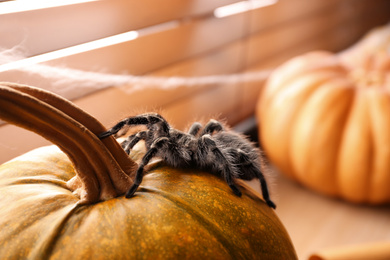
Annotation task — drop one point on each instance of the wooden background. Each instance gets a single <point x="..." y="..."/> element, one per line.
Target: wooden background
<point x="184" y="38"/>
<point x="176" y="38"/>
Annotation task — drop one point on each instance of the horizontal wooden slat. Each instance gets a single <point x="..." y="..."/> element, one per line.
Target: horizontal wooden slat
<point x="160" y="49"/>
<point x="44" y="30"/>
<point x="286" y="11"/>
<point x="216" y="102"/>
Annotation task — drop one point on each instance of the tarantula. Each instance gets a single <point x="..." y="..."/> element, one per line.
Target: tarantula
<point x="209" y="148"/>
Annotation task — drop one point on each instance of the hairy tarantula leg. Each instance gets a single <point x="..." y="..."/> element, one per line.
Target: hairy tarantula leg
<point x="132" y="140"/>
<point x="157" y="144"/>
<point x="128" y="121"/>
<point x="264" y="190"/>
<point x="227" y="171"/>
<point x="264" y="187"/>
<point x="212" y="126"/>
<point x="145" y="119"/>
<point x="245" y="161"/>
<point x="194" y="129"/>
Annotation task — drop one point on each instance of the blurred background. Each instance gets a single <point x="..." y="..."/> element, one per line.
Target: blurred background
<point x="190" y="60"/>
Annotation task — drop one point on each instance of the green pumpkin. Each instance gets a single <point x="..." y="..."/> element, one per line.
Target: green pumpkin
<point x="175" y="214"/>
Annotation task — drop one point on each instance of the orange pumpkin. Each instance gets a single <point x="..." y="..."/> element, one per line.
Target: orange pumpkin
<point x="325" y="122"/>
<point x="52" y="210"/>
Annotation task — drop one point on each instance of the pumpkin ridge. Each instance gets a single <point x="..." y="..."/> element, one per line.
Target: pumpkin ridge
<point x="39" y="180"/>
<point x="302" y="88"/>
<point x="339" y="145"/>
<point x="347" y="84"/>
<point x="310" y="140"/>
<point x="11" y="232"/>
<point x="318" y="81"/>
<point x="202" y="219"/>
<point x="380" y="123"/>
<point x="374" y="143"/>
<point x="44" y="251"/>
<point x="348" y="177"/>
<point x="372" y="149"/>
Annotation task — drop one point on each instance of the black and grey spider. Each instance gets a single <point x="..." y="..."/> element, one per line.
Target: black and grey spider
<point x="210" y="148"/>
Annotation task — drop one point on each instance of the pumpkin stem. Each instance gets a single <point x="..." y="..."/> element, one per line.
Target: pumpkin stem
<point x="103" y="168"/>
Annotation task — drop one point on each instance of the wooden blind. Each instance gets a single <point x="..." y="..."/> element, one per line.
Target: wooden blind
<point x="174" y="38"/>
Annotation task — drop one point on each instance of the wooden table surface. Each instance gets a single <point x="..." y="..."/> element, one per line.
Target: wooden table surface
<point x="316" y="222"/>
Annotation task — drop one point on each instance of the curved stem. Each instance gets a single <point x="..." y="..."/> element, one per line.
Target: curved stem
<point x="89" y="122"/>
<point x="74" y="131"/>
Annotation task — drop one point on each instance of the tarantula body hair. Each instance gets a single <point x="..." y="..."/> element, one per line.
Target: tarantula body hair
<point x="211" y="148"/>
